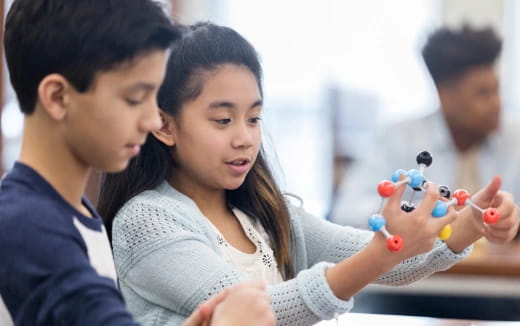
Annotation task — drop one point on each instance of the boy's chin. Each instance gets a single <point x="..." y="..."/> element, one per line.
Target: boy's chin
<point x="112" y="167"/>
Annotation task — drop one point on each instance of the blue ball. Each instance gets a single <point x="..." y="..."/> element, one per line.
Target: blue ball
<point x="376" y="222"/>
<point x="395" y="176"/>
<point x="416" y="179"/>
<point x="440" y="209"/>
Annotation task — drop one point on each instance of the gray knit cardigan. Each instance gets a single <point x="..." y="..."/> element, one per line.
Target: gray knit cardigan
<point x="168" y="261"/>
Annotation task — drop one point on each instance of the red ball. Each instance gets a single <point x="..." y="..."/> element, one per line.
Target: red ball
<point x="461" y="195"/>
<point x="491" y="215"/>
<point x="385" y="188"/>
<point x="394" y="243"/>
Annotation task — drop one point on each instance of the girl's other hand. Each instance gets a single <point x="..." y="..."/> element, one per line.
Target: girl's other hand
<point x="507" y="226"/>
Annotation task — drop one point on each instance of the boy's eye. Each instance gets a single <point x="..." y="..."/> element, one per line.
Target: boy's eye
<point x="255" y="120"/>
<point x="132" y="102"/>
<point x="223" y="121"/>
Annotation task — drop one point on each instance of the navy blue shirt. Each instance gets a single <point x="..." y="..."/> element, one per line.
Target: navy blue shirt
<point x="55" y="263"/>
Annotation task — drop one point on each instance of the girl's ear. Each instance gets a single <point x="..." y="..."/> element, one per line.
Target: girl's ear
<point x="165" y="134"/>
<point x="53" y="94"/>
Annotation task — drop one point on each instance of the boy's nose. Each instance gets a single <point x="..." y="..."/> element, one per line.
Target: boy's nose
<point x="152" y="120"/>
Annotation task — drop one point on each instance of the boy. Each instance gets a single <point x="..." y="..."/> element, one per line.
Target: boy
<point x="86" y="74"/>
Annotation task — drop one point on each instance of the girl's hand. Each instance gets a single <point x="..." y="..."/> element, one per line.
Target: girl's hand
<point x="419" y="229"/>
<point x="507" y="226"/>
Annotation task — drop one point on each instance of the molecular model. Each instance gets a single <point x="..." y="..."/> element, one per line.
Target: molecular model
<point x="416" y="180"/>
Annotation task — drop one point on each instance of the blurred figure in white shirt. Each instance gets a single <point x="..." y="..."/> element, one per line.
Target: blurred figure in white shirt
<point x="469" y="139"/>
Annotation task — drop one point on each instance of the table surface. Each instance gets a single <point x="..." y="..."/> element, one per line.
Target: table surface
<point x="387" y="320"/>
<point x="492" y="260"/>
<point x="490" y="271"/>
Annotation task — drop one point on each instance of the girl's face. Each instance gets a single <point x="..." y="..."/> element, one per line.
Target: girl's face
<point x="217" y="135"/>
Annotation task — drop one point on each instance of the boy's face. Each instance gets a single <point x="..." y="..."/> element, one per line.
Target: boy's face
<point x="218" y="134"/>
<point x="473" y="102"/>
<point x="106" y="125"/>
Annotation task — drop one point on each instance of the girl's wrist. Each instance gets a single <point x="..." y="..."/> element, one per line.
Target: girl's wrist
<point x="387" y="259"/>
<point x="467" y="228"/>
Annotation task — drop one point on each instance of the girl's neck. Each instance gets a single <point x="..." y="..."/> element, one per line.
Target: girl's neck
<point x="211" y="202"/>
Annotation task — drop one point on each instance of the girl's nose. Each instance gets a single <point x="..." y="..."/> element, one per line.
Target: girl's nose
<point x="244" y="136"/>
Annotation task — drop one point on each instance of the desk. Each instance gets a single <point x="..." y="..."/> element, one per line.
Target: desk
<point x="492" y="260"/>
<point x="490" y="271"/>
<point x="485" y="285"/>
<point x="388" y="320"/>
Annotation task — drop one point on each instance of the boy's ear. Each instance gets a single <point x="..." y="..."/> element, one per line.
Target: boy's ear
<point x="53" y="95"/>
<point x="165" y="134"/>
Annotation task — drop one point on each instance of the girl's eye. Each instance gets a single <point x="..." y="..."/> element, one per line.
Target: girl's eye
<point x="255" y="120"/>
<point x="223" y="121"/>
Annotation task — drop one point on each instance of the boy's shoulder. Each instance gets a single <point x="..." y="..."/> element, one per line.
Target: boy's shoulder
<point x="30" y="208"/>
<point x="51" y="255"/>
<point x="26" y="201"/>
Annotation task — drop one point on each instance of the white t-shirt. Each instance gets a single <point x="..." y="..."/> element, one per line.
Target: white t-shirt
<point x="259" y="265"/>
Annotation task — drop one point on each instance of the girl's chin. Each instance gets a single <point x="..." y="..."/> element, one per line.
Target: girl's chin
<point x="234" y="186"/>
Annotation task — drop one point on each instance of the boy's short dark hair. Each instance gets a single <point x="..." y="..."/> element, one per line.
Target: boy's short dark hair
<point x="448" y="54"/>
<point x="78" y="39"/>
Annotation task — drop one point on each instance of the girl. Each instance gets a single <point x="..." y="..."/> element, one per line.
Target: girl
<point x="198" y="210"/>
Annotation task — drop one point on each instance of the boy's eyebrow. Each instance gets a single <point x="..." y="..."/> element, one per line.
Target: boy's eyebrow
<point x="142" y="86"/>
<point x="231" y="105"/>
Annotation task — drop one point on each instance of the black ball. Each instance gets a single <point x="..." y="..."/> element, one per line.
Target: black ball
<point x="425" y="158"/>
<point x="445" y="192"/>
<point x="407" y="207"/>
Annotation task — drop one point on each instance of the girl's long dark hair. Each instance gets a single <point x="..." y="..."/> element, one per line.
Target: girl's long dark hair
<point x="204" y="47"/>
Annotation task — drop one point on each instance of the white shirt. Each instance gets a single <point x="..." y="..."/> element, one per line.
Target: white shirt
<point x="5" y="317"/>
<point x="397" y="147"/>
<point x="259" y="265"/>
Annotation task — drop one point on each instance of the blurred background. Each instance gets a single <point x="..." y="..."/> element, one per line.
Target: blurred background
<point x="335" y="71"/>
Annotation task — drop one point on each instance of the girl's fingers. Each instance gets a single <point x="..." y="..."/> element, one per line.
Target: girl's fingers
<point x="486" y="195"/>
<point x="505" y="226"/>
<point x="430" y="198"/>
<point x="450" y="217"/>
<point x="497" y="233"/>
<point x="498" y="239"/>
<point x="395" y="199"/>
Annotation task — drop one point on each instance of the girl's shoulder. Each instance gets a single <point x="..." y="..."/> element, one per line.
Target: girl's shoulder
<point x="295" y="206"/>
<point x="161" y="204"/>
<point x="297" y="212"/>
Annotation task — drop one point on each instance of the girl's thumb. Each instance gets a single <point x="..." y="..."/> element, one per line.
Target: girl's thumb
<point x="486" y="195"/>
